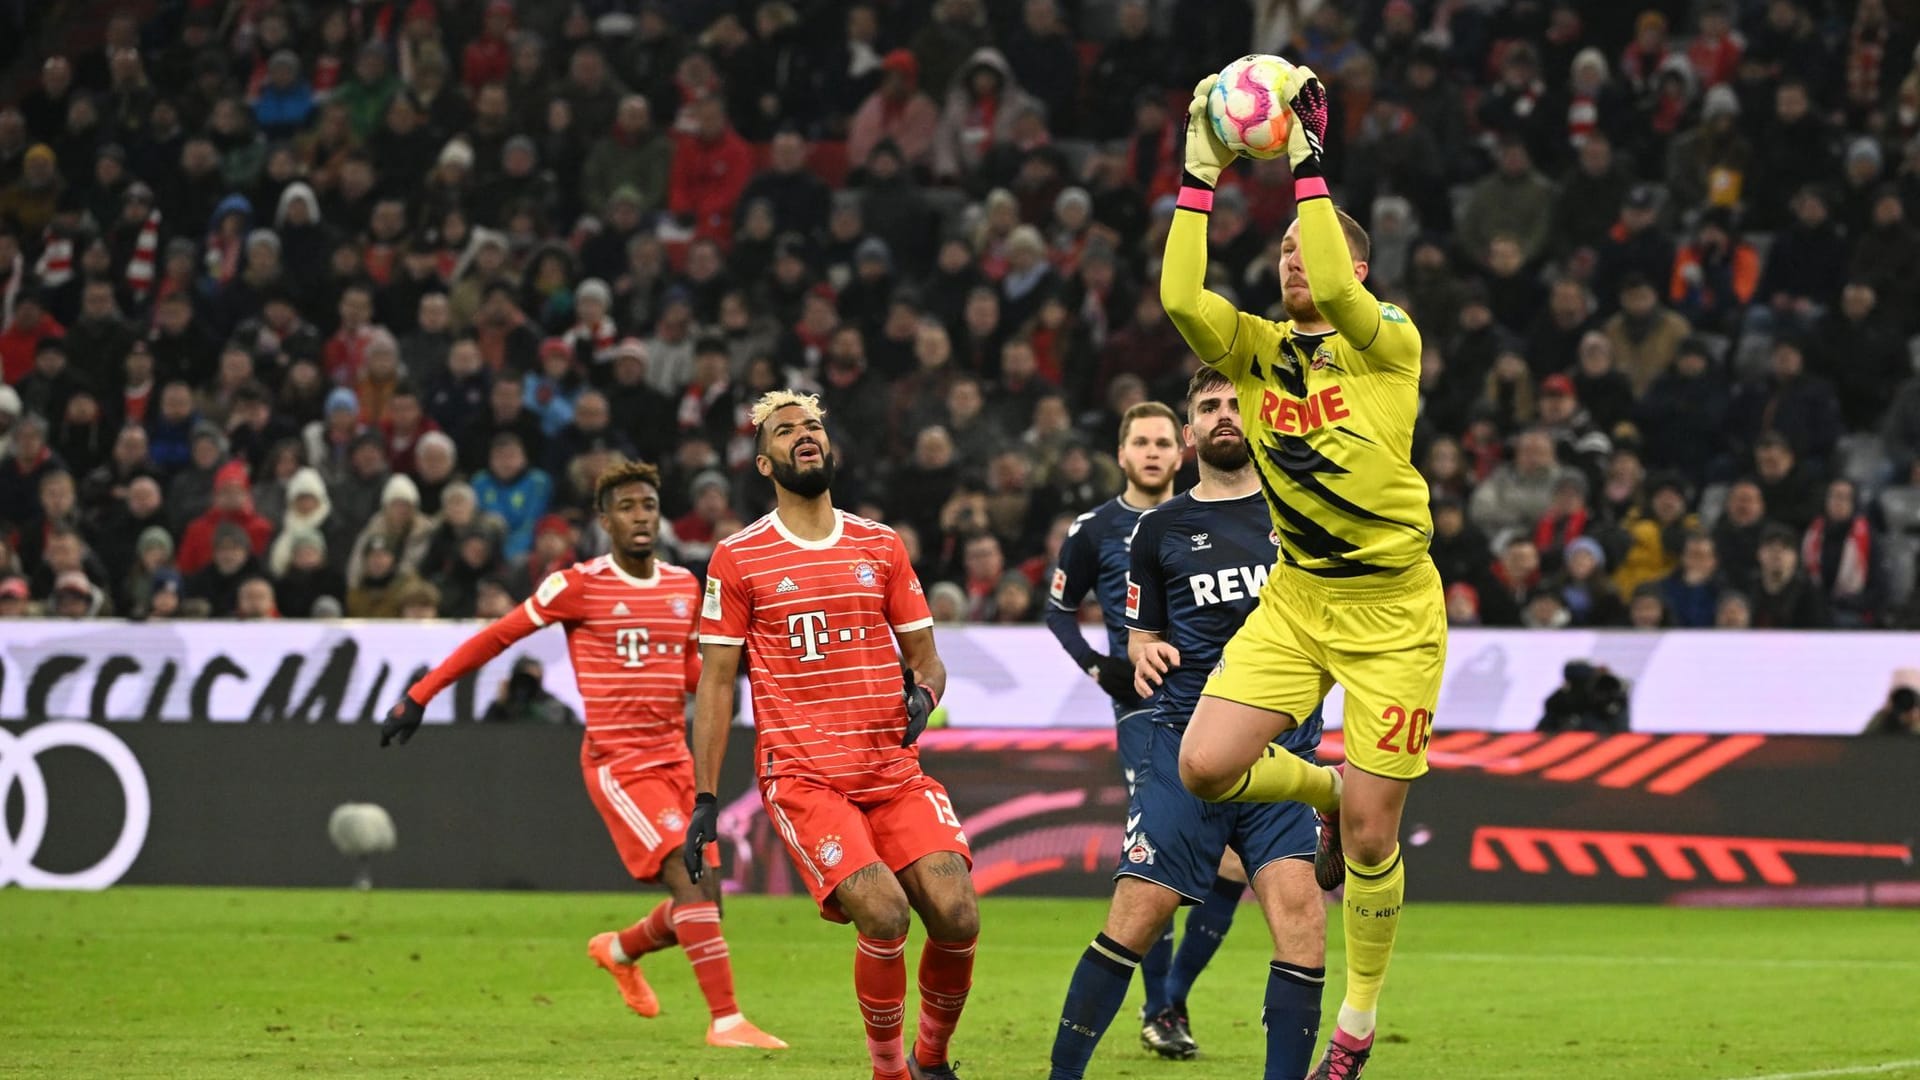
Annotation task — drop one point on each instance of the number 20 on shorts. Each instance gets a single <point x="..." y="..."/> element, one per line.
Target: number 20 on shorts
<point x="1416" y="725"/>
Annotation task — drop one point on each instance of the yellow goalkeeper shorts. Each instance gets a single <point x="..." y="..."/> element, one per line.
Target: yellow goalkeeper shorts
<point x="1384" y="640"/>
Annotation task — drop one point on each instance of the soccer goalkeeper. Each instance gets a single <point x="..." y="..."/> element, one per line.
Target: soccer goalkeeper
<point x="1329" y="398"/>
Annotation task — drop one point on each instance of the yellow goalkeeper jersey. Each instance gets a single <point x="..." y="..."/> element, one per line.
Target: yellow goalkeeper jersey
<point x="1329" y="417"/>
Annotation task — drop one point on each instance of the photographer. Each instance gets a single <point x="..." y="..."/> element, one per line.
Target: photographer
<point x="1899" y="716"/>
<point x="1590" y="698"/>
<point x="523" y="700"/>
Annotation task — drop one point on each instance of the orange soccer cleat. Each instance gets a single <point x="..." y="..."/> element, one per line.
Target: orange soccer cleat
<point x="633" y="985"/>
<point x="743" y="1033"/>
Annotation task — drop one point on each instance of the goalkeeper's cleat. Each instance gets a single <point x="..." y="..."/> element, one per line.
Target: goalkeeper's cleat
<point x="917" y="1071"/>
<point x="1165" y="1034"/>
<point x="633" y="985"/>
<point x="743" y="1034"/>
<point x="1329" y="860"/>
<point x="1346" y="1056"/>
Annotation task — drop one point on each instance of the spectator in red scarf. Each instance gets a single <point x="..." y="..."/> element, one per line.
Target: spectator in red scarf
<point x="1647" y="54"/>
<point x="232" y="503"/>
<point x="1565" y="519"/>
<point x="1843" y="558"/>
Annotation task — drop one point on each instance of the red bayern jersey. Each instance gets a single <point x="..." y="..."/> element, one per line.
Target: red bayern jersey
<point x="817" y="618"/>
<point x="635" y="656"/>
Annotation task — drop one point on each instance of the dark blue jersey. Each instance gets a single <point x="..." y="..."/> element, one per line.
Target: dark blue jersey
<point x="1196" y="572"/>
<point x="1093" y="558"/>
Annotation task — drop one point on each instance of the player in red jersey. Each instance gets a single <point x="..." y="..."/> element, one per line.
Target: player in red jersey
<point x="816" y="599"/>
<point x="630" y="621"/>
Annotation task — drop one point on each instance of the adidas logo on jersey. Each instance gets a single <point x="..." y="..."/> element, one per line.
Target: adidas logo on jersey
<point x="620" y="608"/>
<point x="786" y="585"/>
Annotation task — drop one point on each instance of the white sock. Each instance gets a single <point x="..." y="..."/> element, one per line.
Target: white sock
<point x="728" y="1023"/>
<point x="1354" y="1022"/>
<point x="619" y="954"/>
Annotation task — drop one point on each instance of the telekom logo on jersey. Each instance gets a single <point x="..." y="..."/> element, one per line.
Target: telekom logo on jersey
<point x="1297" y="416"/>
<point x="808" y="632"/>
<point x="630" y="645"/>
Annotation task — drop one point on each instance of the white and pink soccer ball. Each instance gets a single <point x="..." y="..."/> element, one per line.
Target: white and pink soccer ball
<point x="1248" y="106"/>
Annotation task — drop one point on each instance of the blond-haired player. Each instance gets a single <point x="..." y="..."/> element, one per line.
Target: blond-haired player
<point x="815" y="600"/>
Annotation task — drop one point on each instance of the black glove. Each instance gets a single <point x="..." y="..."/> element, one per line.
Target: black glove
<point x="1308" y="100"/>
<point x="402" y="720"/>
<point x="704" y="829"/>
<point x="1115" y="676"/>
<point x="920" y="705"/>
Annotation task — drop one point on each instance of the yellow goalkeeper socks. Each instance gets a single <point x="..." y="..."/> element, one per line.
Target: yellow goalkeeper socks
<point x="1279" y="776"/>
<point x="1370" y="919"/>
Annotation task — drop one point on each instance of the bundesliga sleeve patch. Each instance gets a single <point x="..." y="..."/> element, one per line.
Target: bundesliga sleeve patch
<point x="1133" y="600"/>
<point x="556" y="582"/>
<point x="1059" y="585"/>
<point x="710" y="606"/>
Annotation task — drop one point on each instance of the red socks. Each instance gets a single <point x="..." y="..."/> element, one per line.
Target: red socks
<point x="946" y="974"/>
<point x="698" y="928"/>
<point x="880" y="982"/>
<point x="651" y="934"/>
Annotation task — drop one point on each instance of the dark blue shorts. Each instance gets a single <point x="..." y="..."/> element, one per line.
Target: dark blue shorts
<point x="1175" y="839"/>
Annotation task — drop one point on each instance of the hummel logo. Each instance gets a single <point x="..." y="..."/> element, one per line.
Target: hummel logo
<point x="620" y="608"/>
<point x="786" y="585"/>
<point x="1132" y="821"/>
<point x="1200" y="542"/>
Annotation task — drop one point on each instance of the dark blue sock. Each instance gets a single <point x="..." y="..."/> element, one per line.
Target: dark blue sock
<point x="1098" y="989"/>
<point x="1153" y="971"/>
<point x="1207" y="925"/>
<point x="1292" y="1018"/>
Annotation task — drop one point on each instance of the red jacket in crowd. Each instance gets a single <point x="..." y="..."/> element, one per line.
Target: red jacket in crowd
<point x="708" y="177"/>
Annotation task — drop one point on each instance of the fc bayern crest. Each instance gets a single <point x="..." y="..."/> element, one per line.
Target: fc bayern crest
<point x="863" y="573"/>
<point x="672" y="820"/>
<point x="681" y="607"/>
<point x="830" y="852"/>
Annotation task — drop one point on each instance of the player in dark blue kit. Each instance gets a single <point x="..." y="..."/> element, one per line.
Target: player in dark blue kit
<point x="1094" y="558"/>
<point x="1196" y="566"/>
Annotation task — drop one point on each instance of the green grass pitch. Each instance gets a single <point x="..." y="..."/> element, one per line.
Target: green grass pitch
<point x="239" y="983"/>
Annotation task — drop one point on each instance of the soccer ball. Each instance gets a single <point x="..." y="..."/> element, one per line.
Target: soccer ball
<point x="1248" y="107"/>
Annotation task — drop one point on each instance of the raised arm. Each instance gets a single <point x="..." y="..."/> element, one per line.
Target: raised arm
<point x="1208" y="322"/>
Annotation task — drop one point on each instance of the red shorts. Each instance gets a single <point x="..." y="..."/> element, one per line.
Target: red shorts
<point x="646" y="813"/>
<point x="829" y="836"/>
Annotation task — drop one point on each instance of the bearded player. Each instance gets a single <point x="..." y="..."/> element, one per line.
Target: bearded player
<point x="816" y="599"/>
<point x="1196" y="562"/>
<point x="631" y="625"/>
<point x="1329" y="398"/>
<point x="1093" y="558"/>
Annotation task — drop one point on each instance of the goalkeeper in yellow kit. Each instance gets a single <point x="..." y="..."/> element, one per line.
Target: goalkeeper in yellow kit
<point x="1329" y="398"/>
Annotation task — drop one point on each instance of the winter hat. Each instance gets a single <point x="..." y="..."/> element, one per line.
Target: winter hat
<point x="1865" y="148"/>
<point x="341" y="399"/>
<point x="9" y="401"/>
<point x="1591" y="546"/>
<point x="152" y="537"/>
<point x="232" y="474"/>
<point x="306" y="480"/>
<point x="400" y="486"/>
<point x="594" y="288"/>
<point x="1721" y="101"/>
<point x="457" y="152"/>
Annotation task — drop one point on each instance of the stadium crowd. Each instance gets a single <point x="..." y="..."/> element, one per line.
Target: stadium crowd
<point x="323" y="308"/>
